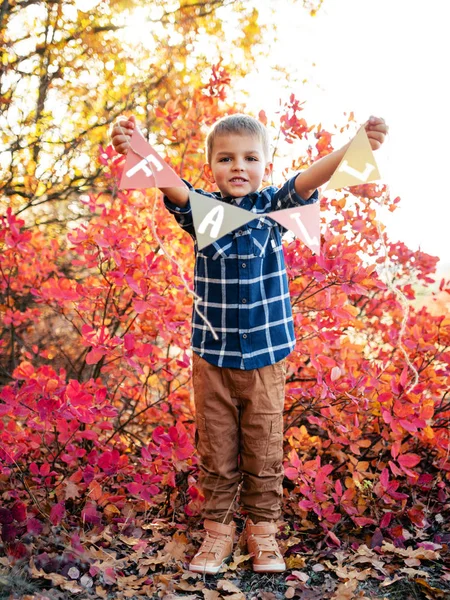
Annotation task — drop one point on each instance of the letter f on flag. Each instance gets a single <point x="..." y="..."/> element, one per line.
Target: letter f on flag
<point x="144" y="168"/>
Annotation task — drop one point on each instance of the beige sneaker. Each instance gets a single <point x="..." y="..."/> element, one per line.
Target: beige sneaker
<point x="261" y="543"/>
<point x="216" y="547"/>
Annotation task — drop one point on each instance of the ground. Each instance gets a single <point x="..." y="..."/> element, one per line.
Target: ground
<point x="151" y="561"/>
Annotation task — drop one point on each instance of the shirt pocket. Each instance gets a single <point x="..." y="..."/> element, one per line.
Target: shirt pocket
<point x="266" y="238"/>
<point x="222" y="248"/>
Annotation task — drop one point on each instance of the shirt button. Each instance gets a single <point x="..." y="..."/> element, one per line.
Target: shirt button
<point x="240" y="232"/>
<point x="243" y="265"/>
<point x="244" y="300"/>
<point x="244" y="336"/>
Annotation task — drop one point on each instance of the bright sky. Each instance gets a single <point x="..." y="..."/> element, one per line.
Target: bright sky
<point x="389" y="58"/>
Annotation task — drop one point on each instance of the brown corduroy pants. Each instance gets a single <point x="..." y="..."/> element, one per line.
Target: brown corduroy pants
<point x="239" y="417"/>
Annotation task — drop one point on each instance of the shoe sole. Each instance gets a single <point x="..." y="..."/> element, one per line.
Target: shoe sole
<point x="206" y="570"/>
<point x="265" y="569"/>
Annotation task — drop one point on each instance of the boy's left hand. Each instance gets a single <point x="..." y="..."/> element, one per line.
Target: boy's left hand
<point x="376" y="130"/>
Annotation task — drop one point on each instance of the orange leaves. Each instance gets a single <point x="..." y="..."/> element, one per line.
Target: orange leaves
<point x="360" y="370"/>
<point x="262" y="117"/>
<point x="218" y="82"/>
<point x="96" y="412"/>
<point x="10" y="232"/>
<point x="323" y="145"/>
<point x="169" y="113"/>
<point x="291" y="126"/>
<point x="99" y="341"/>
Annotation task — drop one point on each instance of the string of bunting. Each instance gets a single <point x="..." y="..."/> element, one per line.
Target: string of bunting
<point x="150" y="164"/>
<point x="144" y="168"/>
<point x="402" y="299"/>
<point x="358" y="166"/>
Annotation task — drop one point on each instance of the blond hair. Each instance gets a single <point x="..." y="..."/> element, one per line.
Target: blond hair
<point x="241" y="125"/>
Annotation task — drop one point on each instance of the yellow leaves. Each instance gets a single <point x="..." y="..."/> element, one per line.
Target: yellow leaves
<point x="31" y="168"/>
<point x="299" y="437"/>
<point x="432" y="592"/>
<point x="295" y="561"/>
<point x="238" y="559"/>
<point x="129" y="541"/>
<point x="111" y="511"/>
<point x="251" y="30"/>
<point x="428" y="432"/>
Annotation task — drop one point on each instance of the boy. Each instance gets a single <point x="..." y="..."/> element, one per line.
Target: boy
<point x="239" y="379"/>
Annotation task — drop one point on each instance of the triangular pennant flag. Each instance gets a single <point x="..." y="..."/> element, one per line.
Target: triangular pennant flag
<point x="213" y="218"/>
<point x="357" y="165"/>
<point x="303" y="221"/>
<point x="151" y="171"/>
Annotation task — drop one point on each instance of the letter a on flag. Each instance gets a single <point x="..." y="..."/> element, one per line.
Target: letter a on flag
<point x="213" y="218"/>
<point x="144" y="168"/>
<point x="303" y="221"/>
<point x="357" y="165"/>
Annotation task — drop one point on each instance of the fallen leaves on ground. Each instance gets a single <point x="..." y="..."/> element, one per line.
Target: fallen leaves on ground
<point x="151" y="561"/>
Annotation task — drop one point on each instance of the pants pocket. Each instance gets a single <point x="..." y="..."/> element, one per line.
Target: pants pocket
<point x="262" y="444"/>
<point x="274" y="454"/>
<point x="202" y="441"/>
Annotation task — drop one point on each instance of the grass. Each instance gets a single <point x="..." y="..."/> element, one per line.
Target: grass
<point x="17" y="583"/>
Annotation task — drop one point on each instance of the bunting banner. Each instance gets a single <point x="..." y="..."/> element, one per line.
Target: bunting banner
<point x="357" y="166"/>
<point x="213" y="218"/>
<point x="303" y="221"/>
<point x="144" y="168"/>
<point x="143" y="163"/>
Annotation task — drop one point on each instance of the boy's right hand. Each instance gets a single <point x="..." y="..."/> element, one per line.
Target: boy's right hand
<point x="121" y="134"/>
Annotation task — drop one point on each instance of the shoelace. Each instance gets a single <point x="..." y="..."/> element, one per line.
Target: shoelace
<point x="209" y="542"/>
<point x="266" y="543"/>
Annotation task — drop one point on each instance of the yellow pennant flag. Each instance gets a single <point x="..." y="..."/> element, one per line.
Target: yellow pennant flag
<point x="357" y="166"/>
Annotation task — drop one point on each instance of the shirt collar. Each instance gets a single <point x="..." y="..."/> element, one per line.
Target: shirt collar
<point x="246" y="202"/>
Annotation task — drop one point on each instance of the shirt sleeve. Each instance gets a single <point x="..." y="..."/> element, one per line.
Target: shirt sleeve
<point x="287" y="197"/>
<point x="183" y="215"/>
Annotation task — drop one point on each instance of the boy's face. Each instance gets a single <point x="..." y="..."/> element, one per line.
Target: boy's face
<point x="237" y="165"/>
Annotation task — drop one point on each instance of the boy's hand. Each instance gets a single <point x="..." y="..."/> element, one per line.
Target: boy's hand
<point x="376" y="130"/>
<point x="121" y="134"/>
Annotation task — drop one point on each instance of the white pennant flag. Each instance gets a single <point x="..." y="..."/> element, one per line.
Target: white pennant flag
<point x="214" y="218"/>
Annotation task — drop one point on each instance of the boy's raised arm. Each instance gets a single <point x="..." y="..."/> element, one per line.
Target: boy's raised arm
<point x="321" y="171"/>
<point x="177" y="195"/>
<point x="120" y="137"/>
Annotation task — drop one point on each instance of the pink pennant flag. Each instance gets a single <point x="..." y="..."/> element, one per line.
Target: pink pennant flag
<point x="148" y="172"/>
<point x="303" y="221"/>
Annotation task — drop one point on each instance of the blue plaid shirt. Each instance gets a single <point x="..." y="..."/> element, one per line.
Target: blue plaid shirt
<point x="242" y="281"/>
